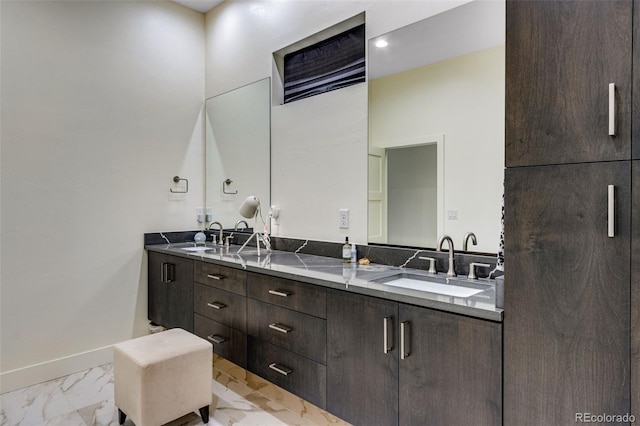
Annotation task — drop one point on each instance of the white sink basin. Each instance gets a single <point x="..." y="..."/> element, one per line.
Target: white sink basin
<point x="421" y="283"/>
<point x="197" y="248"/>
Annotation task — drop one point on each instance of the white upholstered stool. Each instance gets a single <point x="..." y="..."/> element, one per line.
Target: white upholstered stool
<point x="163" y="376"/>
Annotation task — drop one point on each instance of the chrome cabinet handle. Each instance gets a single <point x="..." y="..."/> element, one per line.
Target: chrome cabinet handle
<point x="281" y="328"/>
<point x="280" y="293"/>
<point x="216" y="338"/>
<point x="404" y="329"/>
<point x="385" y="330"/>
<point x="612" y="109"/>
<point x="216" y="305"/>
<point x="215" y="277"/>
<point x="611" y="211"/>
<point x="280" y="369"/>
<point x="167" y="272"/>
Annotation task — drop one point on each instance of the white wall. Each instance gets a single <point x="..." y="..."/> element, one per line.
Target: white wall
<point x="101" y="107"/>
<point x="319" y="145"/>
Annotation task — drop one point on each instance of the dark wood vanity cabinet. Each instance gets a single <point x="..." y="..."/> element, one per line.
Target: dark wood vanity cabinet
<point x="220" y="309"/>
<point x="341" y="351"/>
<point x="451" y="369"/>
<point x="561" y="57"/>
<point x="362" y="361"/>
<point x="170" y="287"/>
<point x="287" y="335"/>
<point x="391" y="363"/>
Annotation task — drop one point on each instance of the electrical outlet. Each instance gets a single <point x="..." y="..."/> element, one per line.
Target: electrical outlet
<point x="200" y="214"/>
<point x="343" y="219"/>
<point x="452" y="214"/>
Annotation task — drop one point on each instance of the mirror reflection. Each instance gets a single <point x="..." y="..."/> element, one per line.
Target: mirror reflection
<point x="436" y="129"/>
<point x="238" y="150"/>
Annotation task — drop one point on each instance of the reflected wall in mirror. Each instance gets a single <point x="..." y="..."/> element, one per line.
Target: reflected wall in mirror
<point x="238" y="140"/>
<point x="436" y="129"/>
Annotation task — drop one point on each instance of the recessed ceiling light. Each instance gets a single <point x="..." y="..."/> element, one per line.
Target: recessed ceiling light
<point x="381" y="43"/>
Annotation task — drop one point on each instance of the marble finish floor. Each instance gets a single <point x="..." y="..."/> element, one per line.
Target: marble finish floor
<point x="86" y="399"/>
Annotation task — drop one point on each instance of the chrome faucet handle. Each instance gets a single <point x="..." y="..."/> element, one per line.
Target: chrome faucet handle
<point x="472" y="269"/>
<point x="227" y="239"/>
<point x="213" y="238"/>
<point x="432" y="264"/>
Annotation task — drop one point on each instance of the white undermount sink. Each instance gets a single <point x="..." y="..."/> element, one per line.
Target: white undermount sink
<point x="198" y="248"/>
<point x="422" y="283"/>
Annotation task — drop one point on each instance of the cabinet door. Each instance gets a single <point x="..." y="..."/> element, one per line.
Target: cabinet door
<point x="170" y="286"/>
<point x="635" y="286"/>
<point x="451" y="370"/>
<point x="567" y="313"/>
<point x="362" y="372"/>
<point x="561" y="57"/>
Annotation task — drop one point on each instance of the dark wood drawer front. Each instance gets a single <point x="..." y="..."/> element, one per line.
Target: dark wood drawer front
<point x="224" y="307"/>
<point x="297" y="374"/>
<point x="222" y="277"/>
<point x="227" y="342"/>
<point x="303" y="334"/>
<point x="301" y="297"/>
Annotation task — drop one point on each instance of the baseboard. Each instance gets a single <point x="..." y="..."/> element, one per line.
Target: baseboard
<point x="45" y="371"/>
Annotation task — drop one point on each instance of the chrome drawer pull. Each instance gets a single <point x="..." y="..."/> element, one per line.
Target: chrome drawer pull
<point x="215" y="277"/>
<point x="281" y="328"/>
<point x="280" y="369"/>
<point x="216" y="305"/>
<point x="612" y="109"/>
<point x="404" y="328"/>
<point x="385" y="337"/>
<point x="216" y="338"/>
<point x="611" y="211"/>
<point x="280" y="293"/>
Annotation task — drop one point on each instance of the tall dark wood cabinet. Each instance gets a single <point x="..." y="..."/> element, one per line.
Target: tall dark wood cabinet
<point x="571" y="322"/>
<point x="450" y="373"/>
<point x="561" y="58"/>
<point x="170" y="286"/>
<point x="567" y="305"/>
<point x="362" y="360"/>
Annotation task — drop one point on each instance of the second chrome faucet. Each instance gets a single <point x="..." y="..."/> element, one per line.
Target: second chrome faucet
<point x="452" y="270"/>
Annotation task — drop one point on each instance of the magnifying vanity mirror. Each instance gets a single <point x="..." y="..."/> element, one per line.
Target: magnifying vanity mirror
<point x="238" y="140"/>
<point x="436" y="129"/>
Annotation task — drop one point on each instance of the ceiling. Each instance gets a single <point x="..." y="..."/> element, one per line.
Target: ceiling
<point x="200" y="5"/>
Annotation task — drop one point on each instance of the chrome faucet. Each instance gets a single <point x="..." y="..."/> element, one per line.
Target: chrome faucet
<point x="465" y="240"/>
<point x="452" y="271"/>
<point x="246" y="225"/>
<point x="220" y="225"/>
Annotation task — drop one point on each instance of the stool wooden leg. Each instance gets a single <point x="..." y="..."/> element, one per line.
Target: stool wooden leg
<point x="121" y="416"/>
<point x="204" y="413"/>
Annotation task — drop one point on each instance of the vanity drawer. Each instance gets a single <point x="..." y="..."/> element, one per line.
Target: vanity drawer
<point x="219" y="305"/>
<point x="297" y="374"/>
<point x="227" y="342"/>
<point x="222" y="277"/>
<point x="302" y="297"/>
<point x="303" y="334"/>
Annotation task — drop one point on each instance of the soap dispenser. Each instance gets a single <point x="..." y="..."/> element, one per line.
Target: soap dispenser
<point x="346" y="251"/>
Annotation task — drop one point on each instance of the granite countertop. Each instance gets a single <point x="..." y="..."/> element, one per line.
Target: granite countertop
<point x="475" y="298"/>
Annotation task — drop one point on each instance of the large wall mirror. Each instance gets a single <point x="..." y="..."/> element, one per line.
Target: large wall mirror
<point x="238" y="147"/>
<point x="436" y="129"/>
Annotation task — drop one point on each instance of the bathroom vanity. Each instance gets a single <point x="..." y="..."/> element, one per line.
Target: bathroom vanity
<point x="351" y="339"/>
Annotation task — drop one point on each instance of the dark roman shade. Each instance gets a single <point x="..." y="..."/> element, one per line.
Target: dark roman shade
<point x="331" y="64"/>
